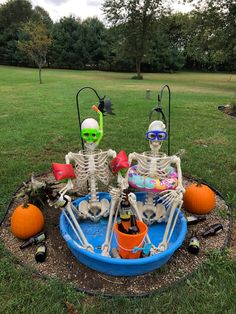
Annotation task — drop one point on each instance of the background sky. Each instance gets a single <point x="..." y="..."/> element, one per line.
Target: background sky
<point x="81" y="8"/>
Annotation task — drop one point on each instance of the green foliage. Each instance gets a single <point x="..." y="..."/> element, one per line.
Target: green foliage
<point x="67" y="50"/>
<point x="13" y="14"/>
<point x="137" y="19"/>
<point x="35" y="42"/>
<point x="140" y="33"/>
<point x="213" y="45"/>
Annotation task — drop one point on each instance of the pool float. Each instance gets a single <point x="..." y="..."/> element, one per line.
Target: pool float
<point x="150" y="184"/>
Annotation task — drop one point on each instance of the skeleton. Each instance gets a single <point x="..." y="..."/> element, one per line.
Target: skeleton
<point x="91" y="165"/>
<point x="156" y="165"/>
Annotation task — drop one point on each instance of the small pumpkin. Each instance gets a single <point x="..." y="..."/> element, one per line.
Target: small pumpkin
<point x="199" y="199"/>
<point x="26" y="221"/>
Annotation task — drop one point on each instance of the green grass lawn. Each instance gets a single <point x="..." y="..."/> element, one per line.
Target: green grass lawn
<point x="39" y="125"/>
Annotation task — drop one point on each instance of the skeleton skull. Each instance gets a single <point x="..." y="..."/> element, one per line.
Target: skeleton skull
<point x="156" y="134"/>
<point x="90" y="133"/>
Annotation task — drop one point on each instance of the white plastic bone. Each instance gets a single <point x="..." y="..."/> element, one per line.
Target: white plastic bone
<point x="155" y="164"/>
<point x="90" y="167"/>
<point x="83" y="240"/>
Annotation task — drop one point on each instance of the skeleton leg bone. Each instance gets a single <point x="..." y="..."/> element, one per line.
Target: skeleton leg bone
<point x="168" y="232"/>
<point x="69" y="209"/>
<point x="106" y="244"/>
<point x="133" y="202"/>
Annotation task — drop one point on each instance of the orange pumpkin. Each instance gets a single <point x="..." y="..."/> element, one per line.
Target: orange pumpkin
<point x="26" y="221"/>
<point x="199" y="199"/>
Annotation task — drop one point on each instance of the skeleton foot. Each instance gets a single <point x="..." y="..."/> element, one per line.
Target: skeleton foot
<point x="162" y="246"/>
<point x="105" y="250"/>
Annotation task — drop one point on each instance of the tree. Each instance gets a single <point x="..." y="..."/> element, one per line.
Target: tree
<point x="13" y="14"/>
<point x="35" y="43"/>
<point x="41" y="16"/>
<point x="94" y="40"/>
<point x="212" y="35"/>
<point x="166" y="53"/>
<point x="68" y="49"/>
<point x="135" y="18"/>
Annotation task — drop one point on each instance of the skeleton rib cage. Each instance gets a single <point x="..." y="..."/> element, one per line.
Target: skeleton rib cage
<point x="155" y="166"/>
<point x="89" y="164"/>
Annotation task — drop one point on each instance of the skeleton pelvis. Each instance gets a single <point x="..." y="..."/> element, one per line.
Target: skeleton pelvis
<point x="152" y="213"/>
<point x="93" y="210"/>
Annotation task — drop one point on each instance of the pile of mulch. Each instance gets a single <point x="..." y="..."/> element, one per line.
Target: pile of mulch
<point x="60" y="263"/>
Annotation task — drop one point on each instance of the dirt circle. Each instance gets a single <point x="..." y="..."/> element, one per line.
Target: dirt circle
<point x="60" y="263"/>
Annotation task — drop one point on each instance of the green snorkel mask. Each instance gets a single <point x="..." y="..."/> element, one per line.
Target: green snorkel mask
<point x="91" y="131"/>
<point x="91" y="135"/>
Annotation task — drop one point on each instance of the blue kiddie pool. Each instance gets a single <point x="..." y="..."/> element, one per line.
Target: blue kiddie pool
<point x="96" y="232"/>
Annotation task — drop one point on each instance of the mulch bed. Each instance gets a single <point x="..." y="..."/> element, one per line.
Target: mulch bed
<point x="60" y="263"/>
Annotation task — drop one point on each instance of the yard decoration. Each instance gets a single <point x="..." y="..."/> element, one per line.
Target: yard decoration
<point x="26" y="221"/>
<point x="37" y="192"/>
<point x="91" y="167"/>
<point x="83" y="223"/>
<point x="199" y="199"/>
<point x="155" y="174"/>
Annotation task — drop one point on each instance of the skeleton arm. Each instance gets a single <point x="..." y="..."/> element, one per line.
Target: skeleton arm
<point x="131" y="157"/>
<point x="180" y="187"/>
<point x="69" y="185"/>
<point x="111" y="153"/>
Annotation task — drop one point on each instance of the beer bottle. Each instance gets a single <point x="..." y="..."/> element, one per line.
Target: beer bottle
<point x="34" y="240"/>
<point x="125" y="210"/>
<point x="193" y="246"/>
<point x="121" y="228"/>
<point x="41" y="252"/>
<point x="193" y="220"/>
<point x="133" y="229"/>
<point x="213" y="230"/>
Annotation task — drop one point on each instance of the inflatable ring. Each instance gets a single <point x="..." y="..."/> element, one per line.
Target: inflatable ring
<point x="153" y="185"/>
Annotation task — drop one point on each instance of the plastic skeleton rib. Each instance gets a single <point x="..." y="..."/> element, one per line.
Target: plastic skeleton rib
<point x="91" y="167"/>
<point x="155" y="164"/>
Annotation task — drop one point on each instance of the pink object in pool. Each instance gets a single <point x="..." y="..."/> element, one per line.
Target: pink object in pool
<point x="152" y="185"/>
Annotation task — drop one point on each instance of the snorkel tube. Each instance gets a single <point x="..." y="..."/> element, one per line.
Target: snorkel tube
<point x="95" y="108"/>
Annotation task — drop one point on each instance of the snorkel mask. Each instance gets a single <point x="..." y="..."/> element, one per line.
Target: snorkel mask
<point x="91" y="135"/>
<point x="156" y="135"/>
<point x="91" y="131"/>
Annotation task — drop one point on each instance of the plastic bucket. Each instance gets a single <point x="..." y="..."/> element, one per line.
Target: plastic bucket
<point x="127" y="242"/>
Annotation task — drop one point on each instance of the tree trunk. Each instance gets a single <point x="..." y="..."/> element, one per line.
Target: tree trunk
<point x="40" y="77"/>
<point x="138" y="68"/>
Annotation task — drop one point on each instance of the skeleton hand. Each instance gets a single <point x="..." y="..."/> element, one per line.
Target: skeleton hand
<point x="167" y="197"/>
<point x="114" y="192"/>
<point x="132" y="198"/>
<point x="180" y="189"/>
<point x="60" y="201"/>
<point x="122" y="181"/>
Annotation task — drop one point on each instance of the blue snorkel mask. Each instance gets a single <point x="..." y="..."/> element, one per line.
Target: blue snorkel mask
<point x="155" y="135"/>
